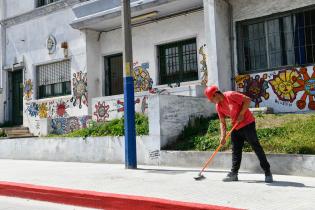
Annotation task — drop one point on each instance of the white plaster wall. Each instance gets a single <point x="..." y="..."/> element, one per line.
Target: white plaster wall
<point x="247" y="9"/>
<point x="27" y="42"/>
<point x="17" y="7"/>
<point x="94" y="72"/>
<point x="146" y="38"/>
<point x="223" y="44"/>
<point x="1" y="108"/>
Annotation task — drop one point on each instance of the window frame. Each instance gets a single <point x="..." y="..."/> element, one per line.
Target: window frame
<point x="47" y="2"/>
<point x="181" y="79"/>
<point x="65" y="91"/>
<point x="265" y="19"/>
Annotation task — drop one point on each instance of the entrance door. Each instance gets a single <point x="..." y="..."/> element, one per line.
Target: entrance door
<point x="114" y="75"/>
<point x="17" y="97"/>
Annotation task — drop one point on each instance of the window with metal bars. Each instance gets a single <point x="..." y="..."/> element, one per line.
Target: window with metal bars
<point x="54" y="79"/>
<point x="178" y="62"/>
<point x="40" y="3"/>
<point x="278" y="41"/>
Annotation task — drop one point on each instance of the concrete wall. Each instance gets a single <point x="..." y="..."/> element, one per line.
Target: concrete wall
<point x="146" y="38"/>
<point x="1" y="108"/>
<point x="248" y="9"/>
<point x="173" y="113"/>
<point x="17" y="7"/>
<point x="102" y="149"/>
<point x="299" y="165"/>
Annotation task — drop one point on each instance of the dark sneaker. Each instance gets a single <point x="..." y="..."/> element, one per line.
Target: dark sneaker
<point x="231" y="177"/>
<point x="268" y="177"/>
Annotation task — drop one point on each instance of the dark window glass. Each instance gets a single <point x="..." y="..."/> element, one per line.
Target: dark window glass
<point x="178" y="62"/>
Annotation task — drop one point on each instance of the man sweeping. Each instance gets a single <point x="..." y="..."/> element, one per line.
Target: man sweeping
<point x="235" y="105"/>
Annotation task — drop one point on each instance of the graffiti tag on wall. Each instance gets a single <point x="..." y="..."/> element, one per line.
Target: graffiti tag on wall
<point x="28" y="89"/>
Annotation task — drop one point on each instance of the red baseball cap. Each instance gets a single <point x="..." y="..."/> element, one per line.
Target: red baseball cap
<point x="210" y="91"/>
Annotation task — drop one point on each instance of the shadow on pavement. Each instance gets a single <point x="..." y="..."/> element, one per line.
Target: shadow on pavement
<point x="281" y="184"/>
<point x="177" y="171"/>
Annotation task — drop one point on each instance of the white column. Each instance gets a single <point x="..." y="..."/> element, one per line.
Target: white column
<point x="210" y="34"/>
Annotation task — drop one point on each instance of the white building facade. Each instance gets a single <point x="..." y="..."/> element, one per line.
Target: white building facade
<point x="62" y="60"/>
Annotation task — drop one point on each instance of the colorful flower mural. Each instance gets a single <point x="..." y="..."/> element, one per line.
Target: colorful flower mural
<point x="141" y="77"/>
<point x="61" y="109"/>
<point x="72" y="124"/>
<point x="66" y="125"/>
<point x="120" y="104"/>
<point x="32" y="109"/>
<point x="204" y="68"/>
<point x="255" y="87"/>
<point x="283" y="84"/>
<point x="101" y="111"/>
<point x="28" y="89"/>
<point x="59" y="125"/>
<point x="80" y="91"/>
<point x="43" y="110"/>
<point x="306" y="84"/>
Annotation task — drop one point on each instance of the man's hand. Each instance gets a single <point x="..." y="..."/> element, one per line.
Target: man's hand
<point x="240" y="118"/>
<point x="222" y="140"/>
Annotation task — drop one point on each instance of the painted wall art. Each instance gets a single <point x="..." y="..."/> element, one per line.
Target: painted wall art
<point x="141" y="77"/>
<point x="307" y="86"/>
<point x="28" y="89"/>
<point x="101" y="111"/>
<point x="204" y="68"/>
<point x="293" y="89"/>
<point x="66" y="125"/>
<point x="80" y="91"/>
<point x="254" y="87"/>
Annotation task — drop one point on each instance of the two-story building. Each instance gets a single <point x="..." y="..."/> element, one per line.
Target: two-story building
<point x="56" y="56"/>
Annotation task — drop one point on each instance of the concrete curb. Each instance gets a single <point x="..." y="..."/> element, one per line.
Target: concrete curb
<point x="92" y="199"/>
<point x="284" y="164"/>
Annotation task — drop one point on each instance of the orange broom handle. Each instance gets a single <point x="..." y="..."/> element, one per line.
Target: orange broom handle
<point x="218" y="148"/>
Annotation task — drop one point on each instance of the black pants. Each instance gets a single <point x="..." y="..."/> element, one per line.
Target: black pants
<point x="249" y="134"/>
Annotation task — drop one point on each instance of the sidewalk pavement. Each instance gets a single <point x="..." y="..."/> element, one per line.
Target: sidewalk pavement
<point x="287" y="192"/>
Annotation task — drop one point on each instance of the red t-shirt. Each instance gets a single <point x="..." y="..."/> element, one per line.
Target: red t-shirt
<point x="231" y="106"/>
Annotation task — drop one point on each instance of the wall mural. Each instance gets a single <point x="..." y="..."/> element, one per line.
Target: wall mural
<point x="307" y="84"/>
<point x="32" y="109"/>
<point x="66" y="125"/>
<point x="101" y="111"/>
<point x="286" y="84"/>
<point x="80" y="91"/>
<point x="141" y="77"/>
<point x="204" y="68"/>
<point x="61" y="108"/>
<point x="120" y="105"/>
<point x="283" y="84"/>
<point x="43" y="110"/>
<point x="28" y="89"/>
<point x="254" y="87"/>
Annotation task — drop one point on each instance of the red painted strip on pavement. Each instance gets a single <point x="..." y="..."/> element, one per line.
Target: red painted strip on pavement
<point x="98" y="200"/>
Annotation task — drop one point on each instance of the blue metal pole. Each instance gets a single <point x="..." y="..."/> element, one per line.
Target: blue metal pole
<point x="129" y="106"/>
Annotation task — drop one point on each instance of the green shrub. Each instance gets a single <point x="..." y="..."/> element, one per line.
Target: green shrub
<point x="2" y="133"/>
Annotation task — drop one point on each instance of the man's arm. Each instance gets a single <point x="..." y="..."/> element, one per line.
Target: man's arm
<point x="223" y="130"/>
<point x="245" y="106"/>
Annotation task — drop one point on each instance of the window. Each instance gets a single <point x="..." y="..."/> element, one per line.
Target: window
<point x="275" y="42"/>
<point x="54" y="79"/>
<point x="178" y="62"/>
<point x="40" y="3"/>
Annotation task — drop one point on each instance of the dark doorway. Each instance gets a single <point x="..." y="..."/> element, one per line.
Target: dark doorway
<point x="17" y="97"/>
<point x="114" y="75"/>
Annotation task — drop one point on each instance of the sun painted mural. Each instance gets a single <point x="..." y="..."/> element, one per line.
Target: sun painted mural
<point x="290" y="88"/>
<point x="101" y="111"/>
<point x="307" y="86"/>
<point x="70" y="124"/>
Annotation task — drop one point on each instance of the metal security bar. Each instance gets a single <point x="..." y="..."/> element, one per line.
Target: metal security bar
<point x="178" y="62"/>
<point x="54" y="79"/>
<point x="274" y="42"/>
<point x="40" y="3"/>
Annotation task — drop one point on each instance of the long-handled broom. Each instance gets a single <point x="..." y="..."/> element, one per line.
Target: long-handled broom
<point x="200" y="176"/>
